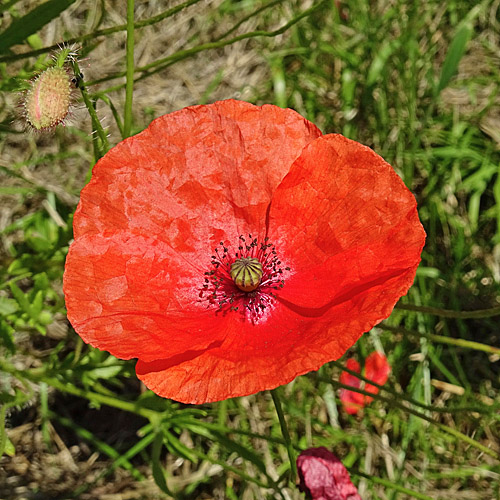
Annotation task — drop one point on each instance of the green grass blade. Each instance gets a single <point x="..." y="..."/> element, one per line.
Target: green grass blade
<point x="393" y="485"/>
<point x="129" y="88"/>
<point x="379" y="64"/>
<point x="448" y="313"/>
<point x="22" y="28"/>
<point x="157" y="469"/>
<point x="454" y="55"/>
<point x="102" y="446"/>
<point x="7" y="5"/>
<point x="457" y="47"/>
<point x="3" y="433"/>
<point x="99" y="33"/>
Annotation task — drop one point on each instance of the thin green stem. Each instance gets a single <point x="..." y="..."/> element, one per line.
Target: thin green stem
<point x="163" y="63"/>
<point x="96" y="123"/>
<point x="466" y="344"/>
<point x="246" y="18"/>
<point x="104" y="32"/>
<point x="102" y="399"/>
<point x="390" y="484"/>
<point x="129" y="88"/>
<point x="224" y="465"/>
<point x="97" y="443"/>
<point x="125" y="458"/>
<point x="114" y="111"/>
<point x="40" y="375"/>
<point x="446" y="428"/>
<point x="448" y="313"/>
<point x="414" y="402"/>
<point x="5" y="284"/>
<point x="286" y="435"/>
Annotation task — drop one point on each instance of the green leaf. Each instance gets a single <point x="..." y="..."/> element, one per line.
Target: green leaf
<point x="179" y="449"/>
<point x="379" y="62"/>
<point x="158" y="472"/>
<point x="428" y="272"/>
<point x="8" y="306"/>
<point x="106" y="372"/>
<point x="41" y="281"/>
<point x="21" y="298"/>
<point x="22" y="28"/>
<point x="5" y="444"/>
<point x="9" y="447"/>
<point x="455" y="53"/>
<point x="457" y="47"/>
<point x="6" y="335"/>
<point x="36" y="305"/>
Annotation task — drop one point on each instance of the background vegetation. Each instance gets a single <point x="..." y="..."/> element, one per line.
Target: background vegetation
<point x="418" y="82"/>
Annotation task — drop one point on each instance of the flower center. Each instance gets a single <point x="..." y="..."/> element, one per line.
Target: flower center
<point x="246" y="273"/>
<point x="244" y="279"/>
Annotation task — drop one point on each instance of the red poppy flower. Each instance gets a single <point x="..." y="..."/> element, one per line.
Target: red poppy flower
<point x="377" y="369"/>
<point x="323" y="476"/>
<point x="231" y="248"/>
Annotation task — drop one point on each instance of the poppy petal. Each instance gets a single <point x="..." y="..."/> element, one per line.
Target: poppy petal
<point x="251" y="359"/>
<point x="349" y="379"/>
<point x="377" y="368"/>
<point x="118" y="297"/>
<point x="355" y="228"/>
<point x="254" y="357"/>
<point x="160" y="202"/>
<point x="351" y="401"/>
<point x="195" y="175"/>
<point x="156" y="207"/>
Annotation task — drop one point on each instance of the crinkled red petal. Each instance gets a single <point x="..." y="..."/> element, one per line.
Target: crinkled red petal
<point x="252" y="358"/>
<point x="156" y="207"/>
<point x="354" y="225"/>
<point x="349" y="228"/>
<point x="323" y="476"/>
<point x="118" y="297"/>
<point x="160" y="202"/>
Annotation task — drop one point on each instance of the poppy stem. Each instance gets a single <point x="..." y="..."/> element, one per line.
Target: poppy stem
<point x="466" y="344"/>
<point x="129" y="88"/>
<point x="448" y="313"/>
<point x="96" y="124"/>
<point x="286" y="435"/>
